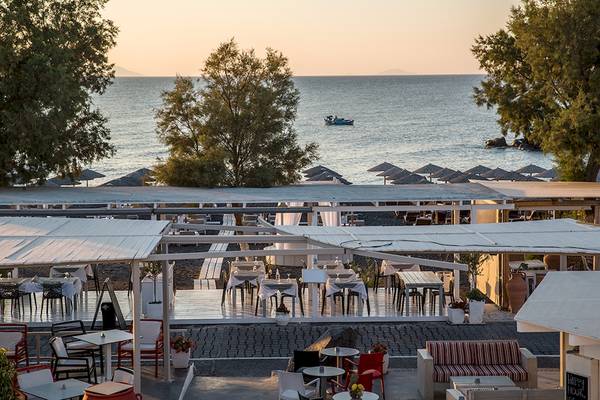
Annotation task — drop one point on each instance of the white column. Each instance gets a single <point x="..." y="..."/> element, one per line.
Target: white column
<point x="563" y="262"/>
<point x="596" y="265"/>
<point x="456" y="272"/>
<point x="166" y="288"/>
<point x="310" y="263"/>
<point x="137" y="313"/>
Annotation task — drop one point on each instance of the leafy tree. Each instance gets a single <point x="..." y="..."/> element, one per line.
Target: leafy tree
<point x="53" y="58"/>
<point x="237" y="129"/>
<point x="544" y="80"/>
<point x="474" y="262"/>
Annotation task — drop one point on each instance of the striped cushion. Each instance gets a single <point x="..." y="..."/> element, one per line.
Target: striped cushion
<point x="442" y="373"/>
<point x="449" y="352"/>
<point x="501" y="352"/>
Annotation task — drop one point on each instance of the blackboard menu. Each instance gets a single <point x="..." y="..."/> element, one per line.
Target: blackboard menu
<point x="577" y="387"/>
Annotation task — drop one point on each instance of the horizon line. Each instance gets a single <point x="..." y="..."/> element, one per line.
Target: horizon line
<point x="316" y="76"/>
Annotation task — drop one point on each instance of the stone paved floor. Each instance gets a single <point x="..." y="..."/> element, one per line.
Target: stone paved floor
<point x="402" y="339"/>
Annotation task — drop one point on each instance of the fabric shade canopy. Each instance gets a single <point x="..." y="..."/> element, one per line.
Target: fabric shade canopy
<point x="560" y="236"/>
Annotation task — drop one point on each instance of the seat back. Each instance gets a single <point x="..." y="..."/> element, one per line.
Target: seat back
<point x="366" y="379"/>
<point x="370" y="361"/>
<point x="52" y="290"/>
<point x="9" y="291"/>
<point x="123" y="375"/>
<point x="474" y="352"/>
<point x="290" y="381"/>
<point x="58" y="347"/>
<point x="34" y="376"/>
<point x="150" y="330"/>
<point x="68" y="329"/>
<point x="303" y="359"/>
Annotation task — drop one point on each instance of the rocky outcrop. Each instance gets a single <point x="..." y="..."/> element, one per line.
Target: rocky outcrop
<point x="495" y="143"/>
<point x="524" y="144"/>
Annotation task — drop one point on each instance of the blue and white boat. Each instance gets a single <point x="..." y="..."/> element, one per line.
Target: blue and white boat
<point x="334" y="120"/>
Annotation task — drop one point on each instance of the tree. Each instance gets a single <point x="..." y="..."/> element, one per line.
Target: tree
<point x="237" y="129"/>
<point x="53" y="58"/>
<point x="474" y="262"/>
<point x="543" y="77"/>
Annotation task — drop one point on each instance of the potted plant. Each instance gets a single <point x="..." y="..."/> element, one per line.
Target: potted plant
<point x="8" y="378"/>
<point x="456" y="312"/>
<point x="154" y="309"/>
<point x="379" y="347"/>
<point x="516" y="288"/>
<point x="282" y="315"/>
<point x="476" y="305"/>
<point x="474" y="263"/>
<point x="356" y="389"/>
<point x="182" y="349"/>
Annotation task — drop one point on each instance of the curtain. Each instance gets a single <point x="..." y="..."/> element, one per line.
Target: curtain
<point x="330" y="218"/>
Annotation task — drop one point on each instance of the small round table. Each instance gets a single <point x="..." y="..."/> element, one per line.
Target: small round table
<point x="339" y="353"/>
<point x="346" y="396"/>
<point x="323" y="373"/>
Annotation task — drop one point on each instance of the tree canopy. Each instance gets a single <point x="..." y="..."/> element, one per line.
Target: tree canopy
<point x="543" y="77"/>
<point x="235" y="127"/>
<point x="53" y="58"/>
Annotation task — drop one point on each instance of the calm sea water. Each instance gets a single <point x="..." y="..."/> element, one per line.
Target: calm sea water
<point x="406" y="120"/>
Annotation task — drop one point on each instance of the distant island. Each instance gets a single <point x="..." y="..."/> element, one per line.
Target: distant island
<point x="124" y="72"/>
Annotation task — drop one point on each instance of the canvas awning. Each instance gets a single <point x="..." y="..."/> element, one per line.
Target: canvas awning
<point x="564" y="302"/>
<point x="52" y="241"/>
<point x="560" y="236"/>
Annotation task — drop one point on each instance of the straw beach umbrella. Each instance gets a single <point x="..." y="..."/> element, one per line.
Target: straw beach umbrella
<point x="410" y="179"/>
<point x="442" y="172"/>
<point x="451" y="175"/>
<point x="58" y="181"/>
<point x="319" y="169"/>
<point x="428" y="169"/>
<point x="381" y="167"/>
<point x="531" y="169"/>
<point x="466" y="178"/>
<point x="496" y="174"/>
<point x="548" y="174"/>
<point x="478" y="170"/>
<point x="399" y="174"/>
<point x="139" y="177"/>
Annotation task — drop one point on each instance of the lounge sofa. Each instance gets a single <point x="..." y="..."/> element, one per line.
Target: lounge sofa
<point x="442" y="359"/>
<point x="506" y="394"/>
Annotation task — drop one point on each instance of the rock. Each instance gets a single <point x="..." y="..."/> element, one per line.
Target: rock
<point x="496" y="142"/>
<point x="524" y="144"/>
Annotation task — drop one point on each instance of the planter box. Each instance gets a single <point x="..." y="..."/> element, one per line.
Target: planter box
<point x="476" y="311"/>
<point x="282" y="319"/>
<point x="456" y="316"/>
<point x="154" y="310"/>
<point x="180" y="360"/>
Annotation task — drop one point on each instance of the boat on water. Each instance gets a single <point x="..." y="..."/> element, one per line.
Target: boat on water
<point x="334" y="120"/>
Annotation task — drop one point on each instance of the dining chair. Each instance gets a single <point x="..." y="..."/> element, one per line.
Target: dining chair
<point x="66" y="365"/>
<point x="50" y="293"/>
<point x="13" y="338"/>
<point x="67" y="330"/>
<point x="290" y="384"/>
<point x="151" y="342"/>
<point x="368" y="363"/>
<point x="10" y="291"/>
<point x="414" y="295"/>
<point x="123" y="375"/>
<point x="35" y="375"/>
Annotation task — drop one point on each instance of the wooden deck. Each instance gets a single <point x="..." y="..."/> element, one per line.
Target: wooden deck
<point x="204" y="307"/>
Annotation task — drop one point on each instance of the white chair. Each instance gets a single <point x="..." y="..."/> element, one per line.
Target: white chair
<point x="151" y="344"/>
<point x="292" y="383"/>
<point x="36" y="377"/>
<point x="67" y="365"/>
<point x="123" y="375"/>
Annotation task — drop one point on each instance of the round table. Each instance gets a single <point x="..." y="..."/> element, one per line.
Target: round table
<point x="339" y="353"/>
<point x="346" y="396"/>
<point x="323" y="373"/>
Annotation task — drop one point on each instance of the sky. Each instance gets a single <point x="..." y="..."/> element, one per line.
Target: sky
<point x="319" y="37"/>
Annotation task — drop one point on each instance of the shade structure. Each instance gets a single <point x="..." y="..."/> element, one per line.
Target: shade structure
<point x="442" y="172"/>
<point x="448" y="177"/>
<point x="410" y="179"/>
<point x="466" y="177"/>
<point x="137" y="178"/>
<point x="531" y="169"/>
<point x="514" y="176"/>
<point x="58" y="181"/>
<point x="548" y="174"/>
<point x="51" y="241"/>
<point x="399" y="174"/>
<point x="89" y="174"/>
<point x="326" y="176"/>
<point x="428" y="169"/>
<point x="381" y="167"/>
<point x="391" y="171"/>
<point x="478" y="170"/>
<point x="560" y="236"/>
<point x="319" y="169"/>
<point x="566" y="301"/>
<point x="545" y="190"/>
<point x="496" y="173"/>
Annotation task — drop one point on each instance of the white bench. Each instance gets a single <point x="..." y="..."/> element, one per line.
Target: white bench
<point x="212" y="267"/>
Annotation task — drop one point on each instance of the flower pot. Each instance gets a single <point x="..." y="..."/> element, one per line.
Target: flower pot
<point x="181" y="359"/>
<point x="456" y="316"/>
<point x="282" y="319"/>
<point x="476" y="311"/>
<point x="386" y="363"/>
<point x="154" y="310"/>
<point x="517" y="291"/>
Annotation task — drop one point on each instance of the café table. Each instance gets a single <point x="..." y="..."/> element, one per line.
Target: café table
<point x="323" y="373"/>
<point x="461" y="383"/>
<point x="59" y="390"/>
<point x="424" y="280"/>
<point x="270" y="287"/>
<point x="106" y="339"/>
<point x="339" y="353"/>
<point x="109" y="388"/>
<point x="238" y="278"/>
<point x="365" y="396"/>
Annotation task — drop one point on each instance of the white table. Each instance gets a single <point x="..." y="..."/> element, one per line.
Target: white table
<point x="59" y="390"/>
<point x="269" y="287"/>
<point x="106" y="341"/>
<point x="81" y="271"/>
<point x="339" y="353"/>
<point x="346" y="396"/>
<point x="461" y="383"/>
<point x="323" y="373"/>
<point x="421" y="279"/>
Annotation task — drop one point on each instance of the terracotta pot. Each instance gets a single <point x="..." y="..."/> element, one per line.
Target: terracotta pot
<point x="124" y="395"/>
<point x="517" y="291"/>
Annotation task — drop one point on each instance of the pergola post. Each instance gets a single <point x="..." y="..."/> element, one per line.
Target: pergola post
<point x="137" y="313"/>
<point x="596" y="264"/>
<point x="166" y="296"/>
<point x="456" y="272"/>
<point x="310" y="264"/>
<point x="563" y="262"/>
<point x="564" y="337"/>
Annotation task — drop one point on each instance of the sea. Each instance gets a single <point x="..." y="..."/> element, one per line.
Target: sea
<point x="406" y="120"/>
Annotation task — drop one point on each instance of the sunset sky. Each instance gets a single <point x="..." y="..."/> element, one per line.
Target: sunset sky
<point x="320" y="37"/>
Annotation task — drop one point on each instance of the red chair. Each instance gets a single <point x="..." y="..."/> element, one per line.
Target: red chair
<point x="13" y="337"/>
<point x="152" y="344"/>
<point x="368" y="369"/>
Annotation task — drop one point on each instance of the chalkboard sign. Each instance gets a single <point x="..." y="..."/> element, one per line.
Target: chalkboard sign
<point x="577" y="387"/>
<point x="108" y="287"/>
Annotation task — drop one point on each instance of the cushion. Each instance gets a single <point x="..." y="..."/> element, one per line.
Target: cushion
<point x="501" y="352"/>
<point x="447" y="352"/>
<point x="80" y="345"/>
<point x="442" y="373"/>
<point x="10" y="339"/>
<point x="143" y="346"/>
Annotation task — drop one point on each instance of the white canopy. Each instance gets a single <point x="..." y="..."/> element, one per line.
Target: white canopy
<point x="564" y="302"/>
<point x="561" y="236"/>
<point x="52" y="241"/>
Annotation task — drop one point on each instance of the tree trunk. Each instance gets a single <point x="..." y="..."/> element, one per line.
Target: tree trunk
<point x="591" y="170"/>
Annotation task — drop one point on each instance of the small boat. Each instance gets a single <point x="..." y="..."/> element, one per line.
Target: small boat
<point x="331" y="120"/>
